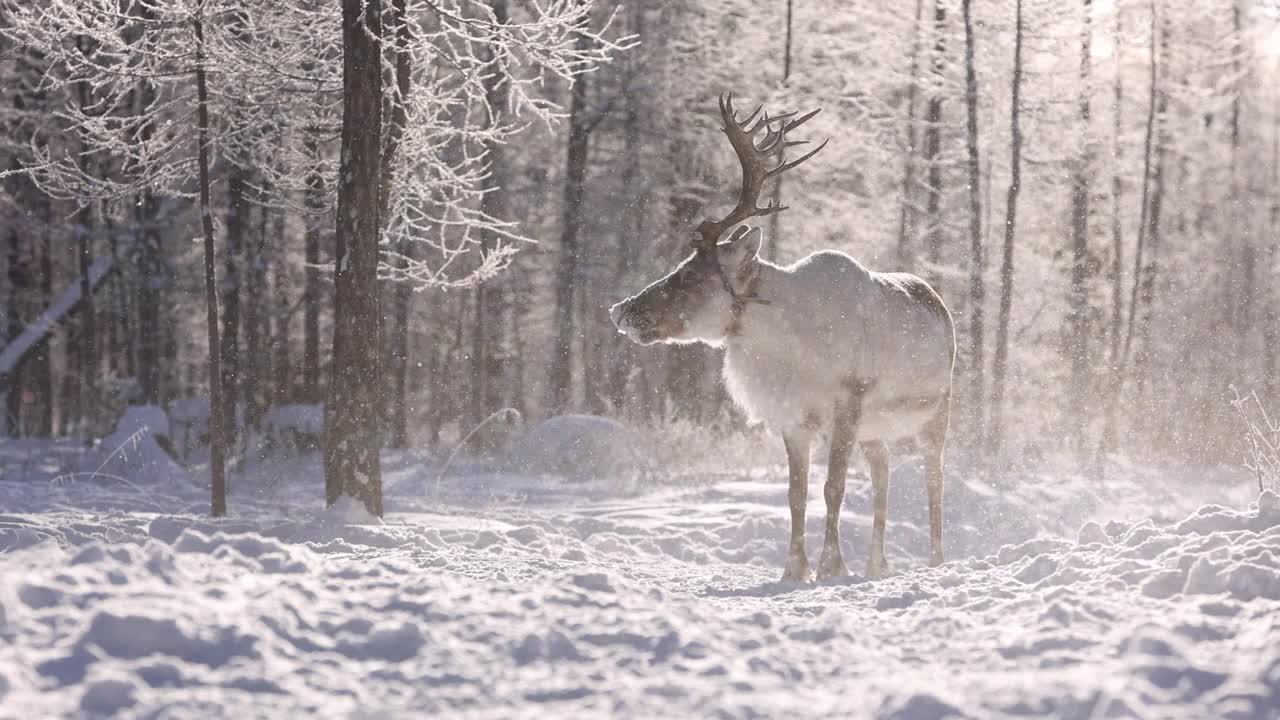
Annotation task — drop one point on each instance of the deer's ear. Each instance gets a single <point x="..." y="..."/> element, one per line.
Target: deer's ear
<point x="741" y="247"/>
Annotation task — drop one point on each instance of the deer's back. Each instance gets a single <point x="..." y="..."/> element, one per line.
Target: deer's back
<point x="835" y="329"/>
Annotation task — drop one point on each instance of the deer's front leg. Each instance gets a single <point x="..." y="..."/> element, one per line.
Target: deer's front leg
<point x="831" y="565"/>
<point x="797" y="569"/>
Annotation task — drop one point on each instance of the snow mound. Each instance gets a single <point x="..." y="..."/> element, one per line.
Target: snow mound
<point x="139" y="450"/>
<point x="577" y="447"/>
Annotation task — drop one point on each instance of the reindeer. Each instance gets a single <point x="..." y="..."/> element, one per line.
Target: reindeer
<point x="821" y="345"/>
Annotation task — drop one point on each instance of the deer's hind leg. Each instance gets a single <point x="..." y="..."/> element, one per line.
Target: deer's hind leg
<point x="877" y="454"/>
<point x="797" y="569"/>
<point x="934" y="445"/>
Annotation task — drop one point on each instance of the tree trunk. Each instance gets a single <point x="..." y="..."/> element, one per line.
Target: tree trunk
<point x="281" y="363"/>
<point x="1078" y="344"/>
<point x="352" y="409"/>
<point x="1271" y="299"/>
<point x="217" y="445"/>
<point x="237" y="221"/>
<point x="1001" y="364"/>
<point x="932" y="147"/>
<point x="561" y="375"/>
<point x="153" y="276"/>
<point x="775" y="220"/>
<point x="486" y="370"/>
<point x="1238" y="233"/>
<point x="1117" y="188"/>
<point x="41" y="361"/>
<point x="313" y="289"/>
<point x="19" y="275"/>
<point x="1142" y="361"/>
<point x="257" y="369"/>
<point x="88" y="317"/>
<point x="907" y="208"/>
<point x="977" y="287"/>
<point x="398" y="350"/>
<point x="1122" y="370"/>
<point x="623" y="355"/>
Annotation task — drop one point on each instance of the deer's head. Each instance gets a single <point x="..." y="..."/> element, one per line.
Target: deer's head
<point x="700" y="299"/>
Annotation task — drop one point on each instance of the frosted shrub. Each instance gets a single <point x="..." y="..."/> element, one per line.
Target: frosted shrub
<point x="1262" y="440"/>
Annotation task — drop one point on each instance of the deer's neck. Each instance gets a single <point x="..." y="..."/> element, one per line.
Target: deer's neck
<point x="753" y="297"/>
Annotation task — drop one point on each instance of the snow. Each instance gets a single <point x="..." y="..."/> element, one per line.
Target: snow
<point x="520" y="595"/>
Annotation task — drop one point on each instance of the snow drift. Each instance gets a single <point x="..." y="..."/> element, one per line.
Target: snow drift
<point x="660" y="604"/>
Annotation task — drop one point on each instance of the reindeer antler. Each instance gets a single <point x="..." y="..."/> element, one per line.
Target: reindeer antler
<point x="754" y="158"/>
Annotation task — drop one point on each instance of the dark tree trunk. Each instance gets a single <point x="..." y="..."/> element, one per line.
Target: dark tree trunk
<point x="120" y="345"/>
<point x="237" y="221"/>
<point x="486" y="368"/>
<point x="633" y="221"/>
<point x="88" y="317"/>
<point x="257" y="366"/>
<point x="932" y="147"/>
<point x="1116" y="273"/>
<point x="281" y="364"/>
<point x="153" y="278"/>
<point x="19" y="275"/>
<point x="1151" y="274"/>
<point x="1078" y="342"/>
<point x="398" y="350"/>
<point x="775" y="220"/>
<point x="907" y="208"/>
<point x="313" y="290"/>
<point x="1238" y="233"/>
<point x="353" y="410"/>
<point x="41" y="362"/>
<point x="561" y="374"/>
<point x="1110" y="429"/>
<point x="977" y="287"/>
<point x="1001" y="365"/>
<point x="1271" y="299"/>
<point x="217" y="446"/>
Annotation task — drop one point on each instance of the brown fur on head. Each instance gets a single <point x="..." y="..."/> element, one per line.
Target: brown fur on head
<point x="691" y="303"/>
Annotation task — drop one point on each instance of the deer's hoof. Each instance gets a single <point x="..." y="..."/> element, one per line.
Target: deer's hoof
<point x="797" y="570"/>
<point x="832" y="566"/>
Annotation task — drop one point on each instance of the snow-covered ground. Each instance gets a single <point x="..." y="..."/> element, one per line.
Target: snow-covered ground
<point x="503" y="595"/>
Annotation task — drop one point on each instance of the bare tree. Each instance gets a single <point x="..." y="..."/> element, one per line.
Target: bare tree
<point x="1000" y="366"/>
<point x="906" y="200"/>
<point x="580" y="126"/>
<point x="933" y="146"/>
<point x="977" y="288"/>
<point x="1078" y="338"/>
<point x="217" y="446"/>
<point x="1271" y="264"/>
<point x="775" y="222"/>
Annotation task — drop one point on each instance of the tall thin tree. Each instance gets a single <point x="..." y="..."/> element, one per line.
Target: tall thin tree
<point x="1000" y="365"/>
<point x="977" y="263"/>
<point x="933" y="147"/>
<point x="217" y="445"/>
<point x="567" y="269"/>
<point x="1078" y="338"/>
<point x="906" y="198"/>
